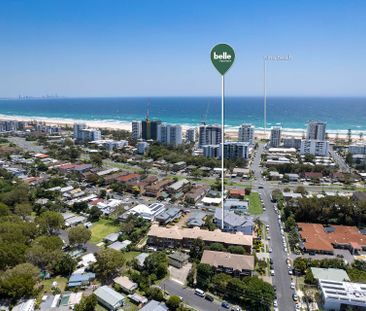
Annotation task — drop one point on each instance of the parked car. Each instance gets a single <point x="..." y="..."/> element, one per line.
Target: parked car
<point x="209" y="298"/>
<point x="225" y="305"/>
<point x="199" y="292"/>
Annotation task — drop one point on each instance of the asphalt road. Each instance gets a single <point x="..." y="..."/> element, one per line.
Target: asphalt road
<point x="281" y="279"/>
<point x="343" y="166"/>
<point x="189" y="298"/>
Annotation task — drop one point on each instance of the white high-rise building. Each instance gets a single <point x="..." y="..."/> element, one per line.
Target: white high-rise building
<point x="191" y="135"/>
<point x="136" y="130"/>
<point x="316" y="130"/>
<point x="78" y="127"/>
<point x="90" y="135"/>
<point x="314" y="147"/>
<point x="246" y="133"/>
<point x="275" y="140"/>
<point x="170" y="134"/>
<point x="209" y="135"/>
<point x="235" y="150"/>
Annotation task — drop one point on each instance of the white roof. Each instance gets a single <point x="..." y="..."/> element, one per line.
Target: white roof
<point x="207" y="200"/>
<point x="87" y="259"/>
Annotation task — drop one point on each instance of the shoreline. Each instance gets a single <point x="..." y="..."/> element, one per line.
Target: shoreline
<point x="230" y="132"/>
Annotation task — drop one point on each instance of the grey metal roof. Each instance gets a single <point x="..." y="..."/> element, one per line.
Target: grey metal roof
<point x="109" y="295"/>
<point x="154" y="305"/>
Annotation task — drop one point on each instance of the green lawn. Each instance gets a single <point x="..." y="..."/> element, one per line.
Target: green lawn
<point x="47" y="284"/>
<point x="101" y="229"/>
<point x="130" y="256"/>
<point x="128" y="307"/>
<point x="255" y="205"/>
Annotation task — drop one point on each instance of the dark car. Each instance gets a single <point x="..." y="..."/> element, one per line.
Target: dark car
<point x="209" y="298"/>
<point x="225" y="305"/>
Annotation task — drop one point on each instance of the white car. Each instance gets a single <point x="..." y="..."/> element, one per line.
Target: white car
<point x="268" y="237"/>
<point x="275" y="303"/>
<point x="290" y="272"/>
<point x="292" y="285"/>
<point x="272" y="272"/>
<point x="270" y="250"/>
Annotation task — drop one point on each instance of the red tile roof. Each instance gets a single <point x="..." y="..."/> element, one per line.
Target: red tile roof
<point x="316" y="238"/>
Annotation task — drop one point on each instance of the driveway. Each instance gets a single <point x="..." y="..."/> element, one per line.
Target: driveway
<point x="189" y="298"/>
<point x="179" y="275"/>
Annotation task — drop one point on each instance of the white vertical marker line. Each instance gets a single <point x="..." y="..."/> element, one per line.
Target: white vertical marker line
<point x="265" y="97"/>
<point x="222" y="148"/>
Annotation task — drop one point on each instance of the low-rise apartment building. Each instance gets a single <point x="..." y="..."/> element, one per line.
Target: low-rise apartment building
<point x="175" y="237"/>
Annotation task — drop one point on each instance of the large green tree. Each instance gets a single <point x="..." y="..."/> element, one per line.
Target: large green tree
<point x="109" y="263"/>
<point x="79" y="235"/>
<point x="157" y="264"/>
<point x="49" y="222"/>
<point x="19" y="282"/>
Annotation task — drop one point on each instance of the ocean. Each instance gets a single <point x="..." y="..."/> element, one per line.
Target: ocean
<point x="289" y="112"/>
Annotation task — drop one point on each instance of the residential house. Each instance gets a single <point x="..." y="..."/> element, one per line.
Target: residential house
<point x="156" y="189"/>
<point x="169" y="215"/>
<point x="178" y="259"/>
<point x="195" y="194"/>
<point x="111" y="238"/>
<point x="154" y="305"/>
<point x="147" y="212"/>
<point x="237" y="193"/>
<point x="234" y="222"/>
<point x="179" y="186"/>
<point x="140" y="259"/>
<point x="233" y="264"/>
<point x="125" y="284"/>
<point x="178" y="166"/>
<point x="196" y="219"/>
<point x="80" y="279"/>
<point x="109" y="298"/>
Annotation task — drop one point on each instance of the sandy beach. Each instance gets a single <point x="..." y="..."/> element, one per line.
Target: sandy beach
<point x="230" y="133"/>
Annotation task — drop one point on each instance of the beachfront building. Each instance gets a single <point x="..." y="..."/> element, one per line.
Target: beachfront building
<point x="191" y="135"/>
<point x="246" y="133"/>
<point x="150" y="129"/>
<point x="211" y="151"/>
<point x="209" y="135"/>
<point x="84" y="134"/>
<point x="316" y="130"/>
<point x="136" y="130"/>
<point x="235" y="150"/>
<point x="314" y="147"/>
<point x="169" y="134"/>
<point x="78" y="127"/>
<point x="88" y="135"/>
<point x="275" y="140"/>
<point x="357" y="148"/>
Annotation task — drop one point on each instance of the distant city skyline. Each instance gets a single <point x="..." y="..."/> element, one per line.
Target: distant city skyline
<point x="162" y="48"/>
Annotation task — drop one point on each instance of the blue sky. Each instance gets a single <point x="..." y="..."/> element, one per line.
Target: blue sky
<point x="161" y="47"/>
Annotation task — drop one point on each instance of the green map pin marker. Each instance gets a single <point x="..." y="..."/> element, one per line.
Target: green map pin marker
<point x="222" y="57"/>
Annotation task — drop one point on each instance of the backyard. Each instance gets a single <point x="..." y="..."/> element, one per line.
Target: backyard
<point x="102" y="228"/>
